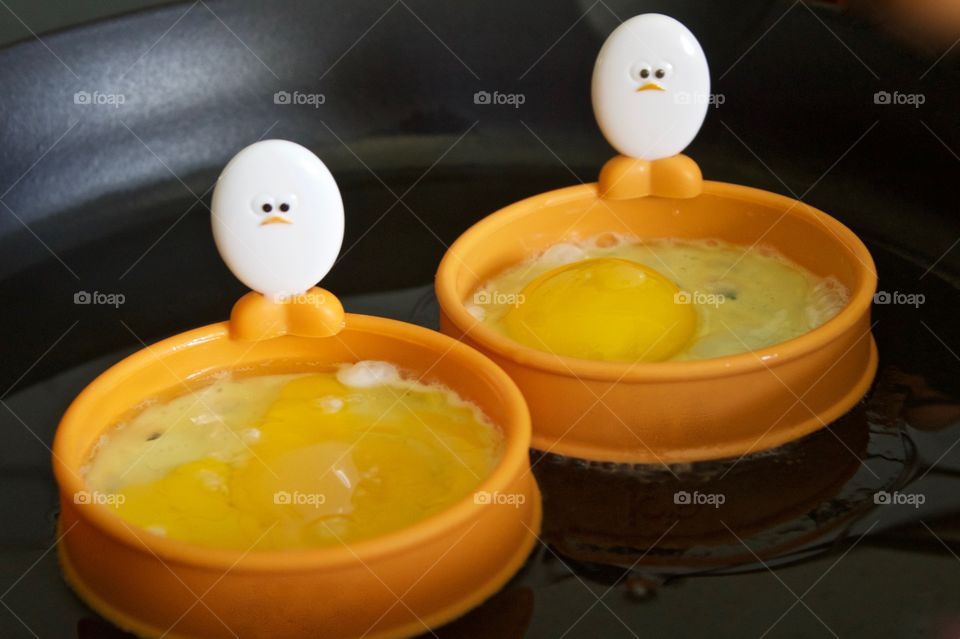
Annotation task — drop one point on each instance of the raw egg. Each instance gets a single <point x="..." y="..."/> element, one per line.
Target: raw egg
<point x="620" y="298"/>
<point x="603" y="308"/>
<point x="294" y="461"/>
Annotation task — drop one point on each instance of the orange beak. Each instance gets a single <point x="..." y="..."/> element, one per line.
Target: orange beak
<point x="275" y="219"/>
<point x="650" y="86"/>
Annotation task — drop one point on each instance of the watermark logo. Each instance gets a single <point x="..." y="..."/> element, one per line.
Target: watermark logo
<point x="103" y="499"/>
<point x="99" y="99"/>
<point x="896" y="297"/>
<point x="495" y="498"/>
<point x="509" y="99"/>
<point x="496" y="297"/>
<point x="710" y="99"/>
<point x="896" y="98"/>
<point x="310" y="298"/>
<point x="297" y="498"/>
<point x="699" y="297"/>
<point x="696" y="498"/>
<point x="896" y="498"/>
<point x="97" y="298"/>
<point x="300" y="98"/>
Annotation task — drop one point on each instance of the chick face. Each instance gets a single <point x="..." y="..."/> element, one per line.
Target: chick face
<point x="650" y="87"/>
<point x="277" y="218"/>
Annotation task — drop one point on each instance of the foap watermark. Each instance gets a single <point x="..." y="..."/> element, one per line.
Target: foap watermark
<point x="896" y="498"/>
<point x="299" y="98"/>
<point x="696" y="498"/>
<point x="496" y="297"/>
<point x="310" y="298"/>
<point x="509" y="99"/>
<point x="96" y="298"/>
<point x="699" y="297"/>
<point x="896" y="297"/>
<point x="896" y="98"/>
<point x="96" y="98"/>
<point x="297" y="498"/>
<point x="696" y="97"/>
<point x="95" y="497"/>
<point x="496" y="498"/>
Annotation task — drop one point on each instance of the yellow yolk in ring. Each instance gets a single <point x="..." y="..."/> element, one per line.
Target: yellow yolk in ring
<point x="603" y="309"/>
<point x="332" y="461"/>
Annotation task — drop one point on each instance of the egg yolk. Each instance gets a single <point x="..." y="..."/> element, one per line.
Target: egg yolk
<point x="603" y="309"/>
<point x="331" y="464"/>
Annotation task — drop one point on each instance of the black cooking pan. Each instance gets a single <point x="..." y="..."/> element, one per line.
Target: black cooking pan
<point x="113" y="133"/>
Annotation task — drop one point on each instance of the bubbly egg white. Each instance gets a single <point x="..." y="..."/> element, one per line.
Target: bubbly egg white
<point x="295" y="460"/>
<point x="745" y="298"/>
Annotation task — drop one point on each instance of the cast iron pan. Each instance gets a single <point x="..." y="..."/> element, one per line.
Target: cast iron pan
<point x="114" y="132"/>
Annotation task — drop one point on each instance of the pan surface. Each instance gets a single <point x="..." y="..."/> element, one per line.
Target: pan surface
<point x="114" y="131"/>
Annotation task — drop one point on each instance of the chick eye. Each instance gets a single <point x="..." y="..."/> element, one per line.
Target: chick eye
<point x="262" y="204"/>
<point x="641" y="71"/>
<point x="288" y="203"/>
<point x="660" y="73"/>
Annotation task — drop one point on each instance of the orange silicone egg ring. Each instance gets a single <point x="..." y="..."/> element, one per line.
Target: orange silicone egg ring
<point x="672" y="412"/>
<point x="395" y="585"/>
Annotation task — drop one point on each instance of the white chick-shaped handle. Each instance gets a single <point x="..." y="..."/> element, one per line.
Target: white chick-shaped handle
<point x="277" y="218"/>
<point x="651" y="87"/>
<point x="278" y="223"/>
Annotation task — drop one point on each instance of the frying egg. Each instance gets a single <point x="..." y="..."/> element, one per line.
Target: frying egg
<point x="338" y="456"/>
<point x="603" y="308"/>
<point x="622" y="299"/>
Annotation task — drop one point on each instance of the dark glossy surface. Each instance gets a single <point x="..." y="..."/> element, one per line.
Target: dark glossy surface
<point x="114" y="200"/>
<point x="619" y="551"/>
